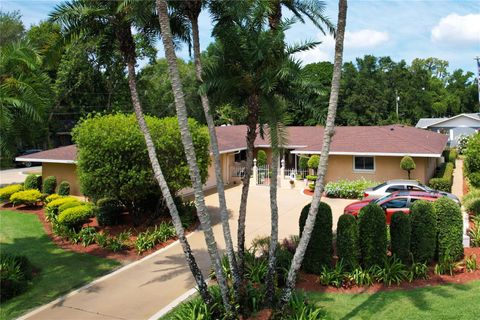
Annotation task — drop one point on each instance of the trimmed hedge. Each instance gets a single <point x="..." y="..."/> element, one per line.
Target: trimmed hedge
<point x="68" y="205"/>
<point x="109" y="210"/>
<point x="400" y="232"/>
<point x="319" y="251"/>
<point x="303" y="163"/>
<point x="16" y="272"/>
<point x="33" y="181"/>
<point x="75" y="217"/>
<point x="64" y="188"/>
<point x="372" y="231"/>
<point x="443" y="178"/>
<point x="27" y="197"/>
<point x="49" y="185"/>
<point x="313" y="162"/>
<point x="50" y="198"/>
<point x="51" y="210"/>
<point x="261" y="158"/>
<point x="475" y="207"/>
<point x="311" y="177"/>
<point x="449" y="229"/>
<point x="348" y="189"/>
<point x="407" y="164"/>
<point x="469" y="198"/>
<point x="6" y="192"/>
<point x="424" y="234"/>
<point x="450" y="155"/>
<point x="474" y="179"/>
<point x="347" y="240"/>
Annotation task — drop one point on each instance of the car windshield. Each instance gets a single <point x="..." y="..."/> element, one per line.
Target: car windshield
<point x="379" y="186"/>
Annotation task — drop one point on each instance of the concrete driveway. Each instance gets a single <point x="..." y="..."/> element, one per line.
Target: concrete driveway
<point x="140" y="290"/>
<point x="18" y="175"/>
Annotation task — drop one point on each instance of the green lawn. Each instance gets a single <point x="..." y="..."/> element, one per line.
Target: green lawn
<point x="438" y="302"/>
<point x="60" y="270"/>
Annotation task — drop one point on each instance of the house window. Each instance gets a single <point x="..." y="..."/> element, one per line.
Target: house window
<point x="241" y="156"/>
<point x="363" y="163"/>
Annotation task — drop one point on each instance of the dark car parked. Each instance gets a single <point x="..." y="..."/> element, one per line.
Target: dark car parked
<point x="27" y="164"/>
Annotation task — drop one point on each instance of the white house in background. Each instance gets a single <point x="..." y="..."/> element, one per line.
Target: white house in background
<point x="456" y="126"/>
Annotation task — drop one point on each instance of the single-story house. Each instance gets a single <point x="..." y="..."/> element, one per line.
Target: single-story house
<point x="463" y="124"/>
<point x="371" y="152"/>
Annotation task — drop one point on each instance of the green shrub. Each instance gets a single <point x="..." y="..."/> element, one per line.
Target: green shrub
<point x="311" y="186"/>
<point x="49" y="185"/>
<point x="51" y="210"/>
<point x="469" y="198"/>
<point x="474" y="207"/>
<point x="392" y="272"/>
<point x="261" y="158"/>
<point x="64" y="188"/>
<point x="15" y="272"/>
<point x="150" y="238"/>
<point x="449" y="228"/>
<point x="462" y="142"/>
<point x="109" y="210"/>
<point x="6" y="192"/>
<point x="424" y="234"/>
<point x="27" y="197"/>
<point x="347" y="240"/>
<point x="472" y="154"/>
<point x="320" y="249"/>
<point x="75" y="217"/>
<point x="400" y="232"/>
<point x="407" y="164"/>
<point x="33" y="181"/>
<point x="372" y="232"/>
<point x="68" y="205"/>
<point x="348" y="189"/>
<point x="50" y="198"/>
<point x="303" y="163"/>
<point x="474" y="179"/>
<point x="313" y="162"/>
<point x="311" y="177"/>
<point x="443" y="178"/>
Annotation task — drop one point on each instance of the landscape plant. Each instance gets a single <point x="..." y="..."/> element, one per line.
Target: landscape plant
<point x="74" y="218"/>
<point x="407" y="164"/>
<point x="449" y="228"/>
<point x="373" y="234"/>
<point x="33" y="181"/>
<point x="64" y="188"/>
<point x="51" y="209"/>
<point x="347" y="241"/>
<point x="348" y="189"/>
<point x="6" y="192"/>
<point x="261" y="158"/>
<point x="26" y="197"/>
<point x="16" y="273"/>
<point x="400" y="233"/>
<point x="109" y="210"/>
<point x="472" y="160"/>
<point x="303" y="162"/>
<point x="49" y="185"/>
<point x="443" y="178"/>
<point x="313" y="162"/>
<point x="423" y="239"/>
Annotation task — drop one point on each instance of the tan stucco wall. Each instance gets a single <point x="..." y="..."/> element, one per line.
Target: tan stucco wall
<point x="63" y="172"/>
<point x="386" y="168"/>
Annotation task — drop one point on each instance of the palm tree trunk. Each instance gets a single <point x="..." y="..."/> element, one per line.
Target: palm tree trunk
<point x="216" y="160"/>
<point x="322" y="167"/>
<point x="187" y="142"/>
<point x="197" y="273"/>
<point x="252" y="121"/>
<point x="270" y="281"/>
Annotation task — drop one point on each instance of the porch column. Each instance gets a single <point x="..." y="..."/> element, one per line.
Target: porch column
<point x="255" y="171"/>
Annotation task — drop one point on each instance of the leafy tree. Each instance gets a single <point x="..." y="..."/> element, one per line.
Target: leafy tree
<point x="261" y="158"/>
<point x="11" y="27"/>
<point x="313" y="162"/>
<point x="407" y="164"/>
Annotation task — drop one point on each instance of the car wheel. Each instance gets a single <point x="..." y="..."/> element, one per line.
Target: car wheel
<point x="27" y="164"/>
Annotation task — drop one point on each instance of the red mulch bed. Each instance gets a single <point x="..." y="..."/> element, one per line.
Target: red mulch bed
<point x="125" y="256"/>
<point x="308" y="192"/>
<point x="309" y="282"/>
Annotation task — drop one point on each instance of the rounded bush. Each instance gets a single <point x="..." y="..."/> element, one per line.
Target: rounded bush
<point x="51" y="210"/>
<point x="449" y="229"/>
<point x="320" y="249"/>
<point x="400" y="232"/>
<point x="109" y="210"/>
<point x="27" y="197"/>
<point x="407" y="164"/>
<point x="472" y="154"/>
<point x="474" y="207"/>
<point x="49" y="185"/>
<point x="33" y="181"/>
<point x="261" y="158"/>
<point x="64" y="188"/>
<point x="50" y="198"/>
<point x="68" y="205"/>
<point x="16" y="272"/>
<point x="313" y="162"/>
<point x="6" y="192"/>
<point x="372" y="232"/>
<point x="303" y="163"/>
<point x="424" y="234"/>
<point x="474" y="179"/>
<point x="347" y="240"/>
<point x="75" y="217"/>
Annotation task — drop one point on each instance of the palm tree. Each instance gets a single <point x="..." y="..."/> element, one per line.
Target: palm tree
<point x="322" y="167"/>
<point x="203" y="214"/>
<point x="191" y="9"/>
<point x="108" y="20"/>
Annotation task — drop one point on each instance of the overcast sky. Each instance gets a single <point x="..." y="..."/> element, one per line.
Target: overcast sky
<point x="405" y="29"/>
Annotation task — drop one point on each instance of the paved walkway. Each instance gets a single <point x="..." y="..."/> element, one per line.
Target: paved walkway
<point x="10" y="176"/>
<point x="457" y="186"/>
<point x="141" y="289"/>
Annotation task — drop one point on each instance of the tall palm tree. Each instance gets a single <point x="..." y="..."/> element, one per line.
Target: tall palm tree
<point x="111" y="22"/>
<point x="322" y="167"/>
<point x="191" y="9"/>
<point x="177" y="89"/>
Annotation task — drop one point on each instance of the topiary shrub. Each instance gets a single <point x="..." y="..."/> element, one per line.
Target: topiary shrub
<point x="64" y="188"/>
<point x="261" y="158"/>
<point x="407" y="164"/>
<point x="33" y="181"/>
<point x="474" y="179"/>
<point x="313" y="162"/>
<point x="51" y="210"/>
<point x="49" y="185"/>
<point x="347" y="240"/>
<point x="50" y="198"/>
<point x="109" y="210"/>
<point x="26" y="197"/>
<point x="303" y="163"/>
<point x="68" y="205"/>
<point x="443" y="178"/>
<point x="474" y="207"/>
<point x="400" y="232"/>
<point x="15" y="273"/>
<point x="320" y="249"/>
<point x="372" y="232"/>
<point x="348" y="189"/>
<point x="449" y="229"/>
<point x="6" y="192"/>
<point x="424" y="234"/>
<point x="74" y="218"/>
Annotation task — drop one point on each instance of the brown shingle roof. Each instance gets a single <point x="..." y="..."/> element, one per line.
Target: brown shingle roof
<point x="389" y="140"/>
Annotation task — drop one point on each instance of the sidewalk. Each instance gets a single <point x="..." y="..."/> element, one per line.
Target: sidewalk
<point x="142" y="288"/>
<point x="457" y="186"/>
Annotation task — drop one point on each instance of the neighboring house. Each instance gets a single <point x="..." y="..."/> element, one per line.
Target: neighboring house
<point x="454" y="127"/>
<point x="372" y="152"/>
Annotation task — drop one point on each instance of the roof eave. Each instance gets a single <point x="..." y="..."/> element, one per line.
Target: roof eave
<point x="45" y="160"/>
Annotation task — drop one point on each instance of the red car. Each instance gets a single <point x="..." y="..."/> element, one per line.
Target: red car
<point x="397" y="201"/>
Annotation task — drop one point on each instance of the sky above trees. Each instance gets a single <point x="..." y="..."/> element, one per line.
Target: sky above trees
<point x="448" y="30"/>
